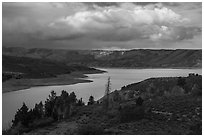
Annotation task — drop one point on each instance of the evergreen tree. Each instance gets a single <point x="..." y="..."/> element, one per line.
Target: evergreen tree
<point x="91" y="100"/>
<point x="22" y="116"/>
<point x="38" y="112"/>
<point x="72" y="98"/>
<point x="64" y="95"/>
<point x="107" y="92"/>
<point x="49" y="104"/>
<point x="80" y="102"/>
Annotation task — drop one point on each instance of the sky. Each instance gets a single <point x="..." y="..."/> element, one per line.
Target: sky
<point x="101" y="25"/>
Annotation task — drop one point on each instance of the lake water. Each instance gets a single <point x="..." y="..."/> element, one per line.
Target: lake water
<point x="11" y="101"/>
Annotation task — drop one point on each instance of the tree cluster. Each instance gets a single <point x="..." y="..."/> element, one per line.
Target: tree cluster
<point x="55" y="107"/>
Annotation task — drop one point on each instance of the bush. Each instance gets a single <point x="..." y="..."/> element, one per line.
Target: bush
<point x="181" y="82"/>
<point x="130" y="113"/>
<point x="196" y="91"/>
<point x="17" y="130"/>
<point x="42" y="122"/>
<point x="112" y="113"/>
<point x="196" y="129"/>
<point x="90" y="129"/>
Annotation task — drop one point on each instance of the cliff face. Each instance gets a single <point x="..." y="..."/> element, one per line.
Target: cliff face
<point x="137" y="58"/>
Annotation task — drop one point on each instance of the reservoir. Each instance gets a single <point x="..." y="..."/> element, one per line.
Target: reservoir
<point x="11" y="101"/>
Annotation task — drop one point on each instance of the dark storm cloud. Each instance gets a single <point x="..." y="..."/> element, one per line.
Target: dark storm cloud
<point x="70" y="37"/>
<point x="144" y="3"/>
<point x="172" y="3"/>
<point x="102" y="4"/>
<point x="102" y="25"/>
<point x="106" y="4"/>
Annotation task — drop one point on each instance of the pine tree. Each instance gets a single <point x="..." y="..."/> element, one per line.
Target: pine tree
<point x="72" y="97"/>
<point x="80" y="102"/>
<point x="107" y="92"/>
<point x="22" y="116"/>
<point x="91" y="100"/>
<point x="49" y="104"/>
<point x="64" y="95"/>
<point x="38" y="111"/>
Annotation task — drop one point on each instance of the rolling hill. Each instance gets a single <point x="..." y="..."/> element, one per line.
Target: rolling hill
<point x="136" y="58"/>
<point x="38" y="68"/>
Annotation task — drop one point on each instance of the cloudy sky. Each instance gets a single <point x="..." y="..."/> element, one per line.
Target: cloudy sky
<point x="102" y="25"/>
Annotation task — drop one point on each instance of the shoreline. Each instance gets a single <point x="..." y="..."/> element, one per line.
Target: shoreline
<point x="147" y="68"/>
<point x="13" y="85"/>
<point x="14" y="89"/>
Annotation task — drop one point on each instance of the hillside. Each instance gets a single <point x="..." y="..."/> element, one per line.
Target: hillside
<point x="178" y="111"/>
<point x="38" y="68"/>
<point x="136" y="58"/>
<point x="24" y="72"/>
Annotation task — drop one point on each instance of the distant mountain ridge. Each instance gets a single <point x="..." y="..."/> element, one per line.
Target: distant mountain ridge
<point x="136" y="58"/>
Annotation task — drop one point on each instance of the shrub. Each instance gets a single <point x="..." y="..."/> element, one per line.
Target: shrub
<point x="196" y="129"/>
<point x="42" y="122"/>
<point x="130" y="113"/>
<point x="196" y="91"/>
<point x="181" y="82"/>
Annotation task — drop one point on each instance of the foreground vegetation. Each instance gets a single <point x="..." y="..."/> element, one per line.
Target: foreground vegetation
<point x="153" y="106"/>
